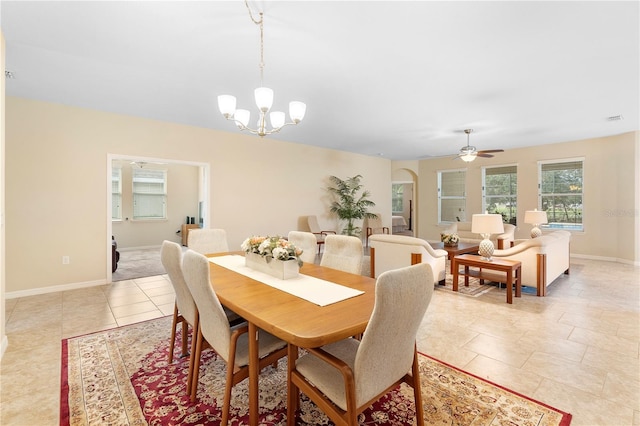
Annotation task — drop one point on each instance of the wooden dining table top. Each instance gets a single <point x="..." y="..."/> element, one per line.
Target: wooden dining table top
<point x="291" y="318"/>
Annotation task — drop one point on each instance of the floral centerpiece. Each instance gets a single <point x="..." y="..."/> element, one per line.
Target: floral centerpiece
<point x="272" y="248"/>
<point x="450" y="239"/>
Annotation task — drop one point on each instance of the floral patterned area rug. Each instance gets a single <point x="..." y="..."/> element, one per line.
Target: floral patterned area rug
<point x="121" y="376"/>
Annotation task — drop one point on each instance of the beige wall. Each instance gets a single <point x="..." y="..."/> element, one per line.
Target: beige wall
<point x="611" y="216"/>
<point x="57" y="191"/>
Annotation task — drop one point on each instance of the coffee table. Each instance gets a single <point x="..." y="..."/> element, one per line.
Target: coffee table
<point x="512" y="269"/>
<point x="461" y="248"/>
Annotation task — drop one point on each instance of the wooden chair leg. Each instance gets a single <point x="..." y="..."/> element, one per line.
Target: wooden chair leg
<point x="195" y="373"/>
<point x="417" y="390"/>
<point x="185" y="338"/>
<point x="293" y="394"/>
<point x="173" y="332"/>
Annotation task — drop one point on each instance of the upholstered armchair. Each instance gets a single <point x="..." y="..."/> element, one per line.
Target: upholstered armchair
<point x="315" y="229"/>
<point x="375" y="226"/>
<point x="397" y="251"/>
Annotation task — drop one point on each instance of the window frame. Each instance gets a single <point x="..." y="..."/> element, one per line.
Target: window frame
<point x="116" y="171"/>
<point x="462" y="197"/>
<point x="135" y="194"/>
<point x="567" y="226"/>
<point x="513" y="219"/>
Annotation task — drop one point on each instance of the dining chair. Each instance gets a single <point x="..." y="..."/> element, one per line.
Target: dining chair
<point x="343" y="252"/>
<point x="346" y="377"/>
<point x="305" y="241"/>
<point x="374" y="226"/>
<point x="185" y="311"/>
<point x="207" y="240"/>
<point x="315" y="229"/>
<point x="231" y="343"/>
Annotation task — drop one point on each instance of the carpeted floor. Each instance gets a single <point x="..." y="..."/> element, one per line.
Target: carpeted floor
<point x="138" y="263"/>
<point x="121" y="376"/>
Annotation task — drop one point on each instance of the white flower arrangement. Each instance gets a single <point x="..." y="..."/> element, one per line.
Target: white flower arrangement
<point x="449" y="239"/>
<point x="272" y="248"/>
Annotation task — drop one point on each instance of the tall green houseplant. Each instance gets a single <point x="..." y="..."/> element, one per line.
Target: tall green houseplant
<point x="350" y="206"/>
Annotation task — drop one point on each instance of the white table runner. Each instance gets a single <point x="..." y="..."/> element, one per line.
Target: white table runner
<point x="312" y="289"/>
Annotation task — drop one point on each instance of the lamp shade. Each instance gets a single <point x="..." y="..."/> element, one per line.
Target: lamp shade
<point x="487" y="224"/>
<point x="242" y="116"/>
<point x="535" y="217"/>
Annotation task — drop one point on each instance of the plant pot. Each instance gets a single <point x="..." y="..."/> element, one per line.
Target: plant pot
<point x="451" y="244"/>
<point x="282" y="269"/>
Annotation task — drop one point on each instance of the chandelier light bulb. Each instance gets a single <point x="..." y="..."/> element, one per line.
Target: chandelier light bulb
<point x="242" y="117"/>
<point x="227" y="105"/>
<point x="264" y="98"/>
<point x="277" y="119"/>
<point x="297" y="110"/>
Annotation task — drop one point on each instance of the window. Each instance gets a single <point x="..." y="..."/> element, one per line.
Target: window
<point x="149" y="194"/>
<point x="452" y="196"/>
<point x="116" y="193"/>
<point x="397" y="197"/>
<point x="499" y="192"/>
<point x="560" y="186"/>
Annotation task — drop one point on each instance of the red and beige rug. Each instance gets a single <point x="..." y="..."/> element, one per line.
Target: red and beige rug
<point x="122" y="377"/>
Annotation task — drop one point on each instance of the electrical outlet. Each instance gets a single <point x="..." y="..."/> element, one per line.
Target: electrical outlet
<point x="65" y="260"/>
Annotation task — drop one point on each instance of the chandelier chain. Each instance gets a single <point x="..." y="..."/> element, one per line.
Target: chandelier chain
<point x="261" y="24"/>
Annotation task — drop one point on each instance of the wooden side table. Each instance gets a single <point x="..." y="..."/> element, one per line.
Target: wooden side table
<point x="510" y="267"/>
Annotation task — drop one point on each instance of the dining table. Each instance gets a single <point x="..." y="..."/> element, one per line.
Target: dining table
<point x="300" y="322"/>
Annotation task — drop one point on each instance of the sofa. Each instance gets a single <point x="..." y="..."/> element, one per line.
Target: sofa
<point x="115" y="254"/>
<point x="397" y="251"/>
<point x="543" y="259"/>
<point x="463" y="229"/>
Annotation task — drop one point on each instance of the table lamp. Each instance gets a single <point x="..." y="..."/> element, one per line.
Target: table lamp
<point x="535" y="218"/>
<point x="485" y="225"/>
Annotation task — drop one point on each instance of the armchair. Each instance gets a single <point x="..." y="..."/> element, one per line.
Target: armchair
<point x="374" y="226"/>
<point x="397" y="251"/>
<point x="315" y="229"/>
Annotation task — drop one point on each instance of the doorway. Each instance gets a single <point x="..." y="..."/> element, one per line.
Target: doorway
<point x="185" y="198"/>
<point x="402" y="205"/>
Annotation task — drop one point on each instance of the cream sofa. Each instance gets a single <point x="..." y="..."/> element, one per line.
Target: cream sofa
<point x="397" y="251"/>
<point x="463" y="229"/>
<point x="543" y="259"/>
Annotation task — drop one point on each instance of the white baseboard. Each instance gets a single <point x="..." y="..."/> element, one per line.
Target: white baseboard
<point x="138" y="248"/>
<point x="53" y="289"/>
<point x="605" y="259"/>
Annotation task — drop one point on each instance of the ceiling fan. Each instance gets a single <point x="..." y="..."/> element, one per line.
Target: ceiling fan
<point x="469" y="153"/>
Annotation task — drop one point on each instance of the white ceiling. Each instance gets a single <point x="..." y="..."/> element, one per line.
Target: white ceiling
<point x="397" y="79"/>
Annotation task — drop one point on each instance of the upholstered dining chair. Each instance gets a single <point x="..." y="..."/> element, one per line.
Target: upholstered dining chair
<point x="343" y="252"/>
<point x="207" y="240"/>
<point x="345" y="377"/>
<point x="305" y="241"/>
<point x="374" y="226"/>
<point x="231" y="343"/>
<point x="184" y="310"/>
<point x="315" y="229"/>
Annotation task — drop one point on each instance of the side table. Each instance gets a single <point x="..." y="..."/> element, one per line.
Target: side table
<point x="510" y="267"/>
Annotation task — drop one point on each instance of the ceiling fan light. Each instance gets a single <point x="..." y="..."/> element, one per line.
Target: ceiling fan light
<point x="277" y="119"/>
<point x="264" y="98"/>
<point x="297" y="110"/>
<point x="227" y="105"/>
<point x="468" y="157"/>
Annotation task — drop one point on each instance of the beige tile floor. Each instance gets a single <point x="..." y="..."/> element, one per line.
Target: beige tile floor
<point x="576" y="349"/>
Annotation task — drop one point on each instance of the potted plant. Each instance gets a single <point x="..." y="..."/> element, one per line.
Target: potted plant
<point x="351" y="204"/>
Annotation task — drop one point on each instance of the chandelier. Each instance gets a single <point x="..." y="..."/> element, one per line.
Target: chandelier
<point x="264" y="100"/>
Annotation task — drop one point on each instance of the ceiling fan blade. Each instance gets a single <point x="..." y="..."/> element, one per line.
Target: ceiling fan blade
<point x="485" y="151"/>
<point x="484" y="155"/>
